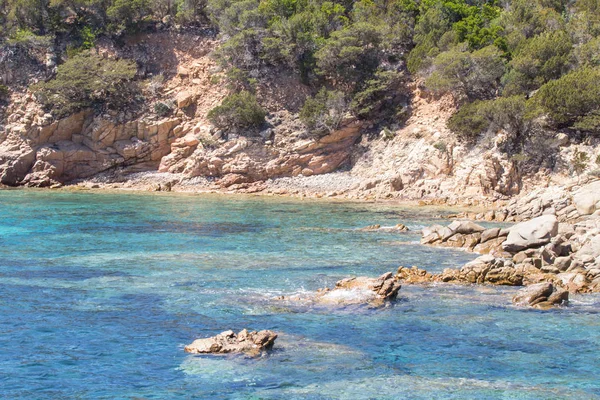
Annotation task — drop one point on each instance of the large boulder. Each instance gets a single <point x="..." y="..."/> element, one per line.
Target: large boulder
<point x="15" y="163"/>
<point x="541" y="295"/>
<point x="587" y="199"/>
<point x="252" y="343"/>
<point x="533" y="233"/>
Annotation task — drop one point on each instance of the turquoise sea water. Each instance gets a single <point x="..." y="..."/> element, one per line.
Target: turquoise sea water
<point x="100" y="292"/>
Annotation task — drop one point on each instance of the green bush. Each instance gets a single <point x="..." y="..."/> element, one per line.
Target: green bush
<point x="467" y="75"/>
<point x="4" y="93"/>
<point x="323" y="113"/>
<point x="124" y="13"/>
<point x="238" y="111"/>
<point x="541" y="59"/>
<point x="351" y="55"/>
<point x="574" y="99"/>
<point x="88" y="38"/>
<point x="579" y="161"/>
<point x="162" y="109"/>
<point x="239" y="79"/>
<point x="588" y="54"/>
<point x="508" y="114"/>
<point x="25" y="37"/>
<point x="469" y="121"/>
<point x="88" y="80"/>
<point x="381" y="97"/>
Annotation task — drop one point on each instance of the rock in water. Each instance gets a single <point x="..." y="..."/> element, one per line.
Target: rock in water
<point x="362" y="290"/>
<point x="377" y="227"/>
<point x="541" y="295"/>
<point x="533" y="233"/>
<point x="252" y="343"/>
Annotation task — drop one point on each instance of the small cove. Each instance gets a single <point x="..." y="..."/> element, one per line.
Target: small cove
<point x="99" y="292"/>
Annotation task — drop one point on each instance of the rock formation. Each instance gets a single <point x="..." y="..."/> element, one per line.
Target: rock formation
<point x="541" y="295"/>
<point x="532" y="233"/>
<point x="43" y="151"/>
<point x="355" y="291"/>
<point x="250" y="343"/>
<point x="538" y="250"/>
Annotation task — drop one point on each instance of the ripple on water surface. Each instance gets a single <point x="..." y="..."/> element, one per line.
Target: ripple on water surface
<point x="100" y="292"/>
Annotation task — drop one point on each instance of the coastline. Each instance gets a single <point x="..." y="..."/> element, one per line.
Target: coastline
<point x="331" y="187"/>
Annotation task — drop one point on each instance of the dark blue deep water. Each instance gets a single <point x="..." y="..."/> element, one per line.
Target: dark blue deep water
<point x="100" y="292"/>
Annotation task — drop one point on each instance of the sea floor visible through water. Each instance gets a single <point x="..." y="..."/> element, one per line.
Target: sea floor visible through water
<point x="100" y="292"/>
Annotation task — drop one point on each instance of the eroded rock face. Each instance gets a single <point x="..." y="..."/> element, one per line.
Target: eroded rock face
<point x="44" y="152"/>
<point x="243" y="160"/>
<point x="251" y="343"/>
<point x="541" y="295"/>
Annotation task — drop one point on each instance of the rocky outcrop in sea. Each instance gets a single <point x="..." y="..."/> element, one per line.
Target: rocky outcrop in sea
<point x="250" y="343"/>
<point x="541" y="249"/>
<point x="360" y="290"/>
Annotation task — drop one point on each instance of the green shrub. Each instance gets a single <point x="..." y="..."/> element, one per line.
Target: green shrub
<point x="381" y="97"/>
<point x="588" y="54"/>
<point x="88" y="38"/>
<point x="162" y="109"/>
<point x="4" y="92"/>
<point x="238" y="111"/>
<point x="88" y="80"/>
<point x="541" y="59"/>
<point x="572" y="100"/>
<point x="25" y="37"/>
<point x="467" y="75"/>
<point x="506" y="113"/>
<point x="323" y="113"/>
<point x="239" y="79"/>
<point x="351" y="55"/>
<point x="469" y="121"/>
<point x="579" y="161"/>
<point x="124" y="13"/>
<point x="441" y="147"/>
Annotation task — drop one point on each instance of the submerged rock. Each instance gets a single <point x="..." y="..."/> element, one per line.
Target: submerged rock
<point x="252" y="343"/>
<point x="541" y="295"/>
<point x="377" y="227"/>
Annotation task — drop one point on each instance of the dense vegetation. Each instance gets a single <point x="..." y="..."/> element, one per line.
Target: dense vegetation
<point x="238" y="111"/>
<point x="507" y="64"/>
<point x="86" y="80"/>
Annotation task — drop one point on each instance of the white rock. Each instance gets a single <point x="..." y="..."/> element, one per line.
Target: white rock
<point x="533" y="233"/>
<point x="587" y="199"/>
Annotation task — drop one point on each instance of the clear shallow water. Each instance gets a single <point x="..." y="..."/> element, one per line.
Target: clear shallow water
<point x="100" y="292"/>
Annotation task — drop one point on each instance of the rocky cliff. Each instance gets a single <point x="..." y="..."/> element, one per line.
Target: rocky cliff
<point x="418" y="159"/>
